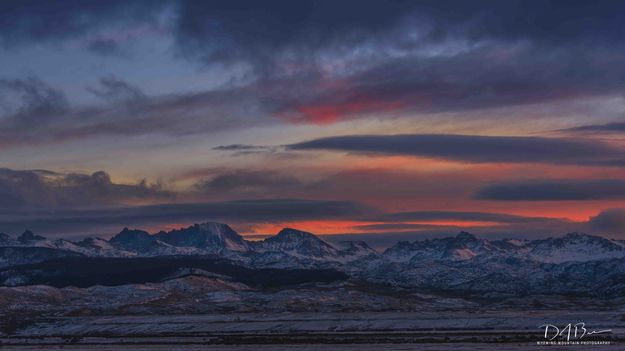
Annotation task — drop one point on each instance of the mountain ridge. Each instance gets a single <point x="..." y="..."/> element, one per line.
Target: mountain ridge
<point x="221" y="239"/>
<point x="458" y="263"/>
<point x="464" y="261"/>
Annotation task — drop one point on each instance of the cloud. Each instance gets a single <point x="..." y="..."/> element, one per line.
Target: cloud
<point x="391" y="85"/>
<point x="244" y="211"/>
<point x="245" y="29"/>
<point x="480" y="78"/>
<point x="363" y="57"/>
<point x="244" y="25"/>
<point x="469" y="148"/>
<point x="608" y="127"/>
<point x="390" y="227"/>
<point x="610" y="221"/>
<point x="379" y="186"/>
<point x="250" y="181"/>
<point x="239" y="147"/>
<point x="105" y="47"/>
<point x="405" y="225"/>
<point x="114" y="90"/>
<point x="36" y="98"/>
<point x="427" y="216"/>
<point x="389" y="58"/>
<point x="24" y="22"/>
<point x="244" y="149"/>
<point x="35" y="190"/>
<point x="331" y="61"/>
<point x="46" y="118"/>
<point x="554" y="190"/>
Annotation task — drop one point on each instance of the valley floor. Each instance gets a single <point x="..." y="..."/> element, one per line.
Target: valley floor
<point x="457" y="330"/>
<point x="207" y="312"/>
<point x="337" y="347"/>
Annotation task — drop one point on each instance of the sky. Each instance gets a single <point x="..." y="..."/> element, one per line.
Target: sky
<point x="383" y="119"/>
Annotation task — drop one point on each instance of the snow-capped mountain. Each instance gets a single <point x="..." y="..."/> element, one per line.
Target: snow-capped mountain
<point x="577" y="247"/>
<point x="103" y="248"/>
<point x="133" y="240"/>
<point x="298" y="244"/>
<point x="460" y="263"/>
<point x="28" y="237"/>
<point x="289" y="248"/>
<point x="462" y="247"/>
<point x="296" y="248"/>
<point x="210" y="236"/>
<point x="206" y="238"/>
<point x="352" y="250"/>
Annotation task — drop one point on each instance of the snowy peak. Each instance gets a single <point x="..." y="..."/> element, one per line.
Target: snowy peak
<point x="296" y="248"/>
<point x="101" y="247"/>
<point x="463" y="246"/>
<point x="294" y="235"/>
<point x="355" y="249"/>
<point x="210" y="236"/>
<point x="573" y="247"/>
<point x="466" y="237"/>
<point x="356" y="246"/>
<point x="298" y="243"/>
<point x="198" y="238"/>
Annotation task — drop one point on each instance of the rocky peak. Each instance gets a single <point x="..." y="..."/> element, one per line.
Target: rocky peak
<point x="28" y="236"/>
<point x="209" y="235"/>
<point x="466" y="237"/>
<point x="298" y="242"/>
<point x="133" y="239"/>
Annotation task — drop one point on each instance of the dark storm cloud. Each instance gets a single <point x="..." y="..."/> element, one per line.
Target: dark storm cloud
<point x="261" y="32"/>
<point x="469" y="148"/>
<point x="256" y="30"/>
<point x="275" y="24"/>
<point x="486" y="77"/>
<point x="509" y="64"/>
<point x="32" y="21"/>
<point x="554" y="190"/>
<point x="29" y="190"/>
<point x="497" y="57"/>
<point x="113" y="89"/>
<point x="248" y="211"/>
<point x="520" y="52"/>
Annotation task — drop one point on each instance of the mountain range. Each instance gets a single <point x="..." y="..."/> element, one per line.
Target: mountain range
<point x="576" y="263"/>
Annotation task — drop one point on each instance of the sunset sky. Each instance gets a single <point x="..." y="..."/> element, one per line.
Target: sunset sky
<point x="379" y="118"/>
